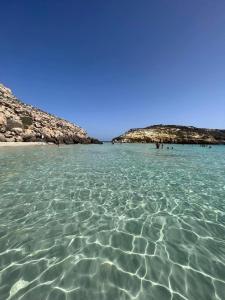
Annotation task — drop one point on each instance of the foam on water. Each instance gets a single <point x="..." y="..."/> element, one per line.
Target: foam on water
<point x="112" y="222"/>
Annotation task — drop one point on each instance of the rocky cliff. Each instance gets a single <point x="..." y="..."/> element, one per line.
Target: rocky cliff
<point x="172" y="134"/>
<point x="20" y="122"/>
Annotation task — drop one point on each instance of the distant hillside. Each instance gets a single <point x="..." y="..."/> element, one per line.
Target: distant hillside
<point x="20" y="122"/>
<point x="172" y="134"/>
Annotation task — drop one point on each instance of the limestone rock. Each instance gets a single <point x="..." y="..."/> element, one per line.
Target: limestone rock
<point x="22" y="122"/>
<point x="172" y="134"/>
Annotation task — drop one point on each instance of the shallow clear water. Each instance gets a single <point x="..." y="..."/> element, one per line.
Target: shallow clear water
<point x="112" y="222"/>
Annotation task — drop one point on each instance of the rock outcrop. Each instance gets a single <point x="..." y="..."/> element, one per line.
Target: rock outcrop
<point x="20" y="122"/>
<point x="172" y="134"/>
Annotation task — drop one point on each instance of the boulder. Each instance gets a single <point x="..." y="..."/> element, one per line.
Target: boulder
<point x="18" y="139"/>
<point x="3" y="120"/>
<point x="2" y="129"/>
<point x="37" y="125"/>
<point x="9" y="134"/>
<point x="95" y="141"/>
<point x="69" y="140"/>
<point x="11" y="139"/>
<point x="17" y="130"/>
<point x="2" y="138"/>
<point x="28" y="135"/>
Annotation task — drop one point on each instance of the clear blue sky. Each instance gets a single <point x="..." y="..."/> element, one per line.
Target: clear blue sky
<point x="110" y="65"/>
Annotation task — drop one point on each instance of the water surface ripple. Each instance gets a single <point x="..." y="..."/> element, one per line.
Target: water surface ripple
<point x="112" y="222"/>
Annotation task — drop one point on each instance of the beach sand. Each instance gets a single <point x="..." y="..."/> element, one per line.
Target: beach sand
<point x="16" y="144"/>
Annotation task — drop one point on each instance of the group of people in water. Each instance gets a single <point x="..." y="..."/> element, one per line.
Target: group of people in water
<point x="205" y="145"/>
<point x="160" y="145"/>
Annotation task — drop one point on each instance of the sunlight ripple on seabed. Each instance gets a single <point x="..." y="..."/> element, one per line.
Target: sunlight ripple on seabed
<point x="112" y="222"/>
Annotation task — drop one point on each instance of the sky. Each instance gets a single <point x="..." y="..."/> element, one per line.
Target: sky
<point x="113" y="65"/>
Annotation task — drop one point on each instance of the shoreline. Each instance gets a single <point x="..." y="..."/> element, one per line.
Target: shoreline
<point x="16" y="144"/>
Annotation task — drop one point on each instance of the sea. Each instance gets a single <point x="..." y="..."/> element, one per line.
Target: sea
<point x="112" y="222"/>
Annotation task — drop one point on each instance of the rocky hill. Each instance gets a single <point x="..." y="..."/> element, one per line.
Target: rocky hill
<point x="20" y="122"/>
<point x="172" y="134"/>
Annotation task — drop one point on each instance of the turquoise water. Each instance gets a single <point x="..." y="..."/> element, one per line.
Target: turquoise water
<point x="112" y="222"/>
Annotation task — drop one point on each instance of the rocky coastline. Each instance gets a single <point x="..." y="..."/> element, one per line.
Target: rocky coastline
<point x="20" y="122"/>
<point x="172" y="134"/>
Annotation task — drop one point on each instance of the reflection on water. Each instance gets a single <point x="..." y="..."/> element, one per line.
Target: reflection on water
<point x="112" y="222"/>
